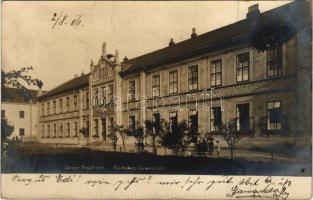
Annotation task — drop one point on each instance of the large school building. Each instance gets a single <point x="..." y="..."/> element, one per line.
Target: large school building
<point x="215" y="77"/>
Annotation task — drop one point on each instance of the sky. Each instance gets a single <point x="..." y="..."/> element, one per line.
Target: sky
<point x="59" y="49"/>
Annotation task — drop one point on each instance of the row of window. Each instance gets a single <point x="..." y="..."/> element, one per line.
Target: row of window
<point x="274" y="69"/>
<point x="101" y="73"/>
<point x="244" y="122"/>
<point x="59" y="106"/>
<point x="60" y="130"/>
<point x="21" y="114"/>
<point x="106" y="92"/>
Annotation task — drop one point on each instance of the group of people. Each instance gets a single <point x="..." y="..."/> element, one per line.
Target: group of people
<point x="208" y="145"/>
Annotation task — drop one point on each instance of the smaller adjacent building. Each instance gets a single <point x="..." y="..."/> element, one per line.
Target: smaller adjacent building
<point x="20" y="111"/>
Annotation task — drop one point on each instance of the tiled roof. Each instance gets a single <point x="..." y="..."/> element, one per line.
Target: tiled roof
<point x="16" y="95"/>
<point x="227" y="36"/>
<point x="75" y="83"/>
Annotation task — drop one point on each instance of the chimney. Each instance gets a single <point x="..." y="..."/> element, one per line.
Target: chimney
<point x="171" y="43"/>
<point x="193" y="34"/>
<point x="253" y="13"/>
<point x="125" y="59"/>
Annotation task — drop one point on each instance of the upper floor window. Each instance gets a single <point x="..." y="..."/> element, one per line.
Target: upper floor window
<point x="67" y="104"/>
<point x="242" y="68"/>
<point x="274" y="115"/>
<point x="60" y="105"/>
<point x="132" y="90"/>
<point x="110" y="92"/>
<point x="102" y="72"/>
<point x="75" y="102"/>
<point x="156" y="85"/>
<point x="216" y="72"/>
<point x="173" y="82"/>
<point x="54" y="106"/>
<point x="193" y="78"/>
<point x="274" y="61"/>
<point x="48" y="108"/>
<point x="87" y="100"/>
<point x="42" y="109"/>
<point x="22" y="114"/>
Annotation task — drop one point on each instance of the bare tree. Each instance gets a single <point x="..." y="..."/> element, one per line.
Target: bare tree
<point x="231" y="135"/>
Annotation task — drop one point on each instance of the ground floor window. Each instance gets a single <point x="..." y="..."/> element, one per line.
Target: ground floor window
<point x="216" y="119"/>
<point x="42" y="131"/>
<point x="48" y="130"/>
<point x="132" y="122"/>
<point x="96" y="127"/>
<point x="75" y="129"/>
<point x="156" y="120"/>
<point x="61" y="130"/>
<point x="22" y="131"/>
<point x="242" y="117"/>
<point x="68" y="129"/>
<point x="54" y="130"/>
<point x="193" y="124"/>
<point x="173" y="119"/>
<point x="274" y="115"/>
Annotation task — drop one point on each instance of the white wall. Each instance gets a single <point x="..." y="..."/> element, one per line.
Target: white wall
<point x="12" y="114"/>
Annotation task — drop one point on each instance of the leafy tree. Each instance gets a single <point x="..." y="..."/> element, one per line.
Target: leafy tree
<point x="231" y="135"/>
<point x="193" y="132"/>
<point x="271" y="35"/>
<point x="154" y="128"/>
<point x="138" y="133"/>
<point x="16" y="79"/>
<point x="117" y="130"/>
<point x="113" y="134"/>
<point x="6" y="129"/>
<point x="175" y="137"/>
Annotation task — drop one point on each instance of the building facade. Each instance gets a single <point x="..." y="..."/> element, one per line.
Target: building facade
<point x="20" y="112"/>
<point x="220" y="76"/>
<point x="215" y="78"/>
<point x="81" y="110"/>
<point x="64" y="111"/>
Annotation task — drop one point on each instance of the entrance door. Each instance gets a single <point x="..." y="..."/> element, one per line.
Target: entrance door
<point x="243" y="118"/>
<point x="104" y="129"/>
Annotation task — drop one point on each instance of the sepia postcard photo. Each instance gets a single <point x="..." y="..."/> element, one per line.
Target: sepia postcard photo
<point x="156" y="99"/>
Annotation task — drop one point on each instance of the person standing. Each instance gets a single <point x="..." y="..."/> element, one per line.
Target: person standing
<point x="218" y="147"/>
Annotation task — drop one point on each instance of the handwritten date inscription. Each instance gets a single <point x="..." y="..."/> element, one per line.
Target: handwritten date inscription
<point x="66" y="20"/>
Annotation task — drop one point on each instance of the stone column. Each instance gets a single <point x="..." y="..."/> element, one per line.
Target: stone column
<point x="118" y="90"/>
<point x="90" y="102"/>
<point x="38" y="125"/>
<point x="100" y="129"/>
<point x="143" y="110"/>
<point x="80" y="114"/>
